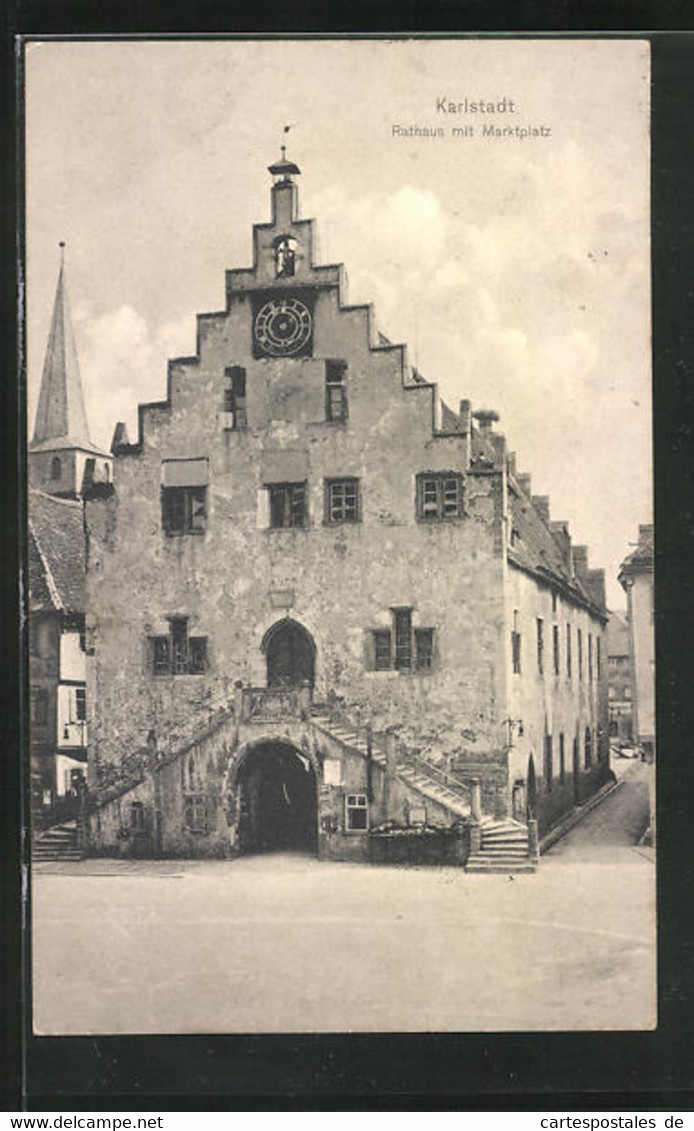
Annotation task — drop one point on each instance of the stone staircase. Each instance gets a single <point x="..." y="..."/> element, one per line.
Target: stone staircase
<point x="58" y="843"/>
<point x="427" y="780"/>
<point x="504" y="849"/>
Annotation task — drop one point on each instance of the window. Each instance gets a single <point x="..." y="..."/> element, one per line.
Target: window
<point x="336" y="391"/>
<point x="183" y="509"/>
<point x="403" y="638"/>
<point x="424" y="648"/>
<point x="195" y="813"/>
<point x="548" y="762"/>
<point x="579" y="636"/>
<point x="590" y="658"/>
<point x="382" y="649"/>
<point x="554" y="601"/>
<point x="598" y="657"/>
<point x="235" y="397"/>
<point x="562" y="760"/>
<point x="356" y="813"/>
<point x="403" y="648"/>
<point x="516" y="645"/>
<point x="588" y="748"/>
<point x="56" y="468"/>
<point x="439" y="497"/>
<point x="342" y="500"/>
<point x="178" y="653"/>
<point x="287" y="504"/>
<point x="285" y="256"/>
<point x="568" y="651"/>
<point x="39" y="706"/>
<point x="540" y="645"/>
<point x="555" y="639"/>
<point x="138" y="817"/>
<point x="81" y="704"/>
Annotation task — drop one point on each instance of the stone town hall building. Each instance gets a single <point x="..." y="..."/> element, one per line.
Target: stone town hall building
<point x="323" y="609"/>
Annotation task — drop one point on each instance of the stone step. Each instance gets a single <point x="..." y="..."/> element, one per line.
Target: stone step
<point x="499" y="867"/>
<point x="66" y="854"/>
<point x="509" y="839"/>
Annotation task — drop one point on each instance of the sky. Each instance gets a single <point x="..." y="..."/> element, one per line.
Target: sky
<point x="516" y="268"/>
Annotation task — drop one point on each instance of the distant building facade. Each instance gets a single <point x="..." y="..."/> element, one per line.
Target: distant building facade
<point x="324" y="609"/>
<point x="619" y="679"/>
<point x="636" y="578"/>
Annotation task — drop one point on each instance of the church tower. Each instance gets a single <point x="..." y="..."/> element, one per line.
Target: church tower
<point x="61" y="452"/>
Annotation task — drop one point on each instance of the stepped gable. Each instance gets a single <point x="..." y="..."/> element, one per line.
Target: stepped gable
<point x="56" y="554"/>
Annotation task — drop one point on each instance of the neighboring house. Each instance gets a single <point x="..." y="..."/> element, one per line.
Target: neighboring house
<point x="619" y="678"/>
<point x="58" y="719"/>
<point x="636" y="578"/>
<point x="323" y="608"/>
<point x="61" y="459"/>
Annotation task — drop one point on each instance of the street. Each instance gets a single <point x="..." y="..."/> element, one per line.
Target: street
<point x="284" y="943"/>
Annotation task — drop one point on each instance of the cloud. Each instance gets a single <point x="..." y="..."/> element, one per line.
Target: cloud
<point x="124" y="362"/>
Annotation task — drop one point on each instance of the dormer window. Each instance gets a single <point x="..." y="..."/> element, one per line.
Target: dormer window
<point x="285" y="256"/>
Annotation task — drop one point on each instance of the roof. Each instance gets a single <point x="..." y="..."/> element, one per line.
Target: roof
<point x="534" y="548"/>
<point x="60" y="443"/>
<point x="61" y="412"/>
<point x="56" y="554"/>
<point x="640" y="560"/>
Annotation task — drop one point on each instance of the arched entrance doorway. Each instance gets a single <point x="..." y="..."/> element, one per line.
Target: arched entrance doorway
<point x="290" y="654"/>
<point x="277" y="800"/>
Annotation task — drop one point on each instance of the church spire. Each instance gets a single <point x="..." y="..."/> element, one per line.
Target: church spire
<point x="61" y="413"/>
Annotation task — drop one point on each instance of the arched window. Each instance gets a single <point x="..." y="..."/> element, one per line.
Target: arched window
<point x="285" y="255"/>
<point x="56" y="468"/>
<point x="588" y="747"/>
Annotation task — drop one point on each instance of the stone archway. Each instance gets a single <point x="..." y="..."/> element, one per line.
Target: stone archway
<point x="277" y="799"/>
<point x="290" y="653"/>
<point x="271" y="796"/>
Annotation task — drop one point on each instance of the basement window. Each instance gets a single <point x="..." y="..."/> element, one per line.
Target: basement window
<point x="287" y="504"/>
<point x="439" y="497"/>
<point x="356" y="813"/>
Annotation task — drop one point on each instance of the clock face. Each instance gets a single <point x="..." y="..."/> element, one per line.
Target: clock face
<point x="282" y="327"/>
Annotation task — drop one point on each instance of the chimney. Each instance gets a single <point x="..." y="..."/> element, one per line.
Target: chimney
<point x="524" y="482"/>
<point x="595" y="584"/>
<point x="541" y="504"/>
<point x="485" y="417"/>
<point x="560" y="531"/>
<point x="580" y="562"/>
<point x="120" y="437"/>
<point x="465" y="408"/>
